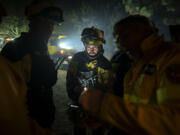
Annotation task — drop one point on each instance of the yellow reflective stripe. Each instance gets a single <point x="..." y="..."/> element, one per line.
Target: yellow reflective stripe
<point x="135" y="99"/>
<point x="92" y="64"/>
<point x="168" y="94"/>
<point x="95" y="43"/>
<point x="62" y="36"/>
<point x="103" y="72"/>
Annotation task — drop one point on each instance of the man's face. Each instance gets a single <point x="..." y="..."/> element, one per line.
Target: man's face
<point x="92" y="50"/>
<point x="129" y="38"/>
<point x="44" y="29"/>
<point x="46" y="26"/>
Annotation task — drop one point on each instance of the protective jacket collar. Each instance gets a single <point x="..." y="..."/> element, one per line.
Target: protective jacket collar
<point x="151" y="42"/>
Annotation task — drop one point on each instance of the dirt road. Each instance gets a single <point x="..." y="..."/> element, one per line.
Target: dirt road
<point x="62" y="125"/>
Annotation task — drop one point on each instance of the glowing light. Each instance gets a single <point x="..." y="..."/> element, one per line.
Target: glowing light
<point x="64" y="46"/>
<point x="7" y="39"/>
<point x="69" y="57"/>
<point x="62" y="36"/>
<point x="61" y="52"/>
<point x="85" y="88"/>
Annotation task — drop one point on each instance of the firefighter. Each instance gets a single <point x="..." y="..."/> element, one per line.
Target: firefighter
<point x="87" y="69"/>
<point x="40" y="74"/>
<point x="150" y="105"/>
<point x="13" y="111"/>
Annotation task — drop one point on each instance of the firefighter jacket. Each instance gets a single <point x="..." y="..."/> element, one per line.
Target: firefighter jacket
<point x="151" y="103"/>
<point x="84" y="72"/>
<point x="14" y="119"/>
<point x="40" y="77"/>
<point x="13" y="110"/>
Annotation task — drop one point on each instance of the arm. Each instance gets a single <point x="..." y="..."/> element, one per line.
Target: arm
<point x="71" y="79"/>
<point x="133" y="118"/>
<point x="13" y="112"/>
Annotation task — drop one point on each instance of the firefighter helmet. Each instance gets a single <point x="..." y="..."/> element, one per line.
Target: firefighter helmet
<point x="44" y="9"/>
<point x="92" y="36"/>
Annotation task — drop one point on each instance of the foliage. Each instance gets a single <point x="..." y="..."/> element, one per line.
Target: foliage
<point x="167" y="11"/>
<point x="12" y="26"/>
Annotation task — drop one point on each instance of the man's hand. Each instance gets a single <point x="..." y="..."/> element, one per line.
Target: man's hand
<point x="91" y="100"/>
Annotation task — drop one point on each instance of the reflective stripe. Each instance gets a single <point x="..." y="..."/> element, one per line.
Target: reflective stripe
<point x="135" y="99"/>
<point x="95" y="43"/>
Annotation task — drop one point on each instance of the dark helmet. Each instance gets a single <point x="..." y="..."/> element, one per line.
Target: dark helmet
<point x="44" y="9"/>
<point x="132" y="20"/>
<point x="92" y="36"/>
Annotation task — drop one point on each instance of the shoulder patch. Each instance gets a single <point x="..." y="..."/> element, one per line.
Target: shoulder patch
<point x="91" y="64"/>
<point x="149" y="69"/>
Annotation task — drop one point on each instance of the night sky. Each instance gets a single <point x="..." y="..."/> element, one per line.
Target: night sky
<point x="16" y="7"/>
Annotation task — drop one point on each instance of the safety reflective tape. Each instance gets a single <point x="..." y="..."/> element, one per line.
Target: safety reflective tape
<point x="95" y="43"/>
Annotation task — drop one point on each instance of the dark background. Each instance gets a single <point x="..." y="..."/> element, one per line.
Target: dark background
<point x="103" y="14"/>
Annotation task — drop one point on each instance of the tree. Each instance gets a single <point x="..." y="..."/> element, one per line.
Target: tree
<point x="165" y="11"/>
<point x="12" y="26"/>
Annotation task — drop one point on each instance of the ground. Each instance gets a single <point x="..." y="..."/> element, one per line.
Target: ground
<point x="62" y="126"/>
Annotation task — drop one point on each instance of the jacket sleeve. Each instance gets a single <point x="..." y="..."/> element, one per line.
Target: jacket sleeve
<point x="169" y="80"/>
<point x="140" y="119"/>
<point x="13" y="113"/>
<point x="71" y="79"/>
